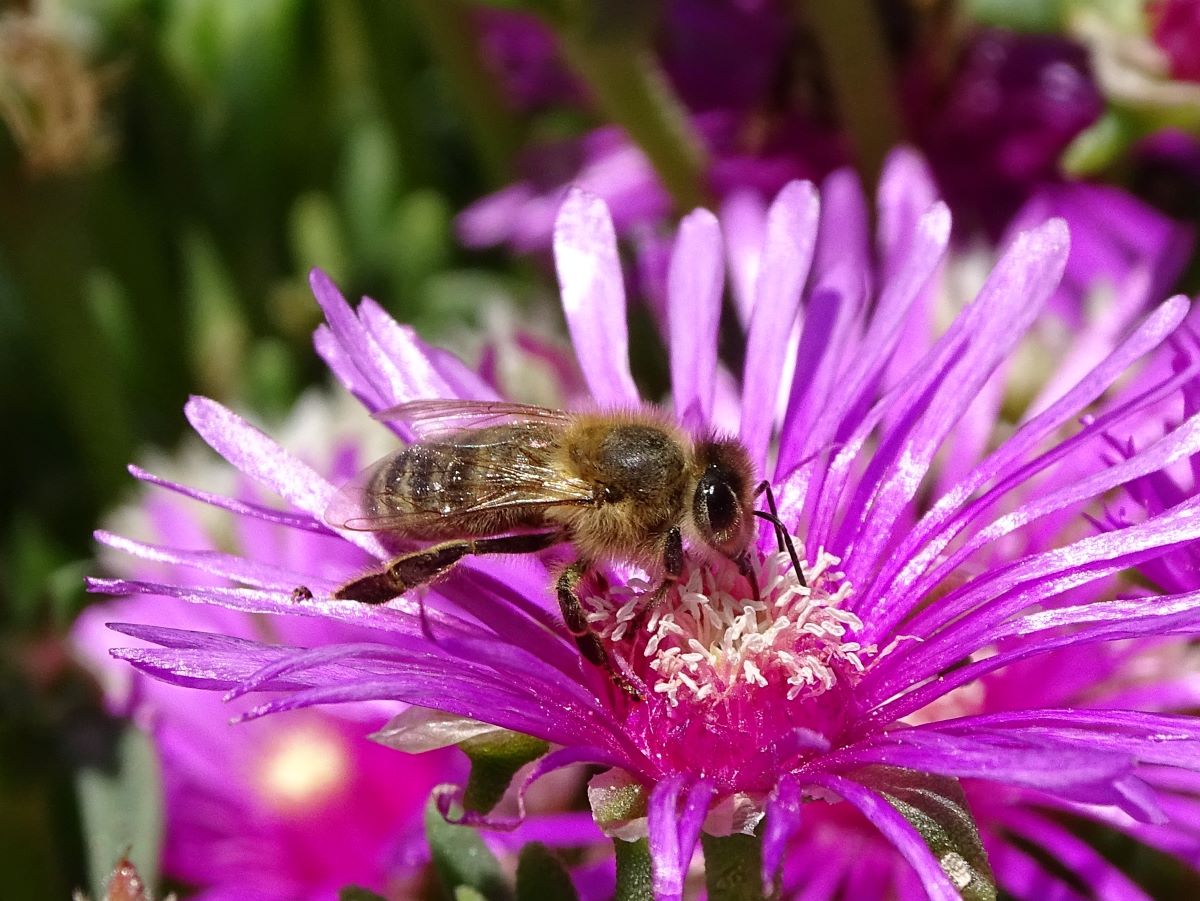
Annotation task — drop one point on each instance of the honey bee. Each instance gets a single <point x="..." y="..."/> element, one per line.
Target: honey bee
<point x="505" y="478"/>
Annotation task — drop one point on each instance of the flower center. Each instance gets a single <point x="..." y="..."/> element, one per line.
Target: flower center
<point x="709" y="639"/>
<point x="303" y="767"/>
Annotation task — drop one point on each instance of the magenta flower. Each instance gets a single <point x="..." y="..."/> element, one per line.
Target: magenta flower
<point x="814" y="689"/>
<point x="994" y="127"/>
<point x="286" y="808"/>
<point x="996" y="130"/>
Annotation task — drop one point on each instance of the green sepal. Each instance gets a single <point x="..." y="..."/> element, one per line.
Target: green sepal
<point x="461" y="859"/>
<point x="542" y="877"/>
<point x="619" y="804"/>
<point x="733" y="867"/>
<point x="635" y="879"/>
<point x="495" y="758"/>
<point x="358" y="893"/>
<point x="937" y="808"/>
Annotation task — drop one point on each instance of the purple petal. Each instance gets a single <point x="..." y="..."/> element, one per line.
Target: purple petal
<point x="401" y="615"/>
<point x="253" y="453"/>
<point x="227" y="566"/>
<point x="415" y="362"/>
<point x="939" y="392"/>
<point x="593" y="297"/>
<point x="1091" y="622"/>
<point x="1083" y="861"/>
<point x="787" y="255"/>
<point x="694" y="286"/>
<point x="743" y="224"/>
<point x="897" y="830"/>
<point x="1025" y="878"/>
<point x="906" y="192"/>
<point x="943" y="522"/>
<point x="1061" y="767"/>
<point x="1004" y="592"/>
<point x="818" y="488"/>
<point x="358" y="346"/>
<point x="283" y="518"/>
<point x="783" y="817"/>
<point x="674" y="833"/>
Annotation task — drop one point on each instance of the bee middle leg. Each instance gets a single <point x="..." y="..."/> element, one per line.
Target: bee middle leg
<point x="588" y="641"/>
<point x="416" y="568"/>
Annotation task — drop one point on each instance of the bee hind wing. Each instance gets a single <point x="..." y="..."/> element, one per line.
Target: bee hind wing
<point x="437" y="417"/>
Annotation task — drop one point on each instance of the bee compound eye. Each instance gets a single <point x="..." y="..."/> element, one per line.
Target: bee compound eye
<point x="721" y="504"/>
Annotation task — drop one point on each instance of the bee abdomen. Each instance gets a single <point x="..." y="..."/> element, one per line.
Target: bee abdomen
<point x="429" y="478"/>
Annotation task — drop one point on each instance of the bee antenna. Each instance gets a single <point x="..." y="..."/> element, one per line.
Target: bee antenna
<point x="782" y="537"/>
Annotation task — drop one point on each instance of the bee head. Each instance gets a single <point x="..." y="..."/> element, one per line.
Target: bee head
<point x="722" y="505"/>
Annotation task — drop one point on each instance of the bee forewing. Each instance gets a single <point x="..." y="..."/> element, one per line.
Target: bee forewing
<point x="437" y="417"/>
<point x="356" y="506"/>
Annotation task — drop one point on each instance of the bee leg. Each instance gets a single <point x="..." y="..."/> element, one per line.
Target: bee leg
<point x="672" y="570"/>
<point x="744" y="567"/>
<point x="588" y="641"/>
<point x="417" y="568"/>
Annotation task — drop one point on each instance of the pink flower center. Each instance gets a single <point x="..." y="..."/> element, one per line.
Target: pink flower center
<point x="303" y="767"/>
<point x="740" y="686"/>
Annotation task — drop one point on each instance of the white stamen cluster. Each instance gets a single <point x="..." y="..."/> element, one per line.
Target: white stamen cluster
<point x="708" y="636"/>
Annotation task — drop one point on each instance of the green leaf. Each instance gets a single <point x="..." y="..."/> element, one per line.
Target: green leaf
<point x="635" y="881"/>
<point x="495" y="758"/>
<point x="937" y="808"/>
<point x="461" y="858"/>
<point x="542" y="877"/>
<point x="733" y="867"/>
<point x="358" y="893"/>
<point x="121" y="811"/>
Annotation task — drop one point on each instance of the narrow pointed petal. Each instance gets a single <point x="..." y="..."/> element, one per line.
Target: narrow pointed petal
<point x="270" y="465"/>
<point x="593" y="297"/>
<point x="787" y="255"/>
<point x="674" y="832"/>
<point x="897" y="830"/>
<point x="694" y="287"/>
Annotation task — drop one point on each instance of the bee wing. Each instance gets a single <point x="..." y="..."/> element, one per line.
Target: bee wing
<point x="527" y="482"/>
<point x="436" y="418"/>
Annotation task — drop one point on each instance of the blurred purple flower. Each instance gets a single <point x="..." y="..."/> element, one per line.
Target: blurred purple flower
<point x="287" y="808"/>
<point x="995" y="130"/>
<point x="523" y="53"/>
<point x="993" y="127"/>
<point x="913" y="593"/>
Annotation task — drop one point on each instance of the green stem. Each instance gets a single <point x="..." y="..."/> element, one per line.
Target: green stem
<point x="633" y="92"/>
<point x="454" y="40"/>
<point x="733" y="867"/>
<point x="634" y="879"/>
<point x="856" y="59"/>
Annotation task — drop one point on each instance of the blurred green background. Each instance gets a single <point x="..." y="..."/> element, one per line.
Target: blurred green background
<point x="169" y="171"/>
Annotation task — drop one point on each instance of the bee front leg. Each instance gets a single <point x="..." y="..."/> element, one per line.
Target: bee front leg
<point x="588" y="641"/>
<point x="410" y="570"/>
<point x="672" y="570"/>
